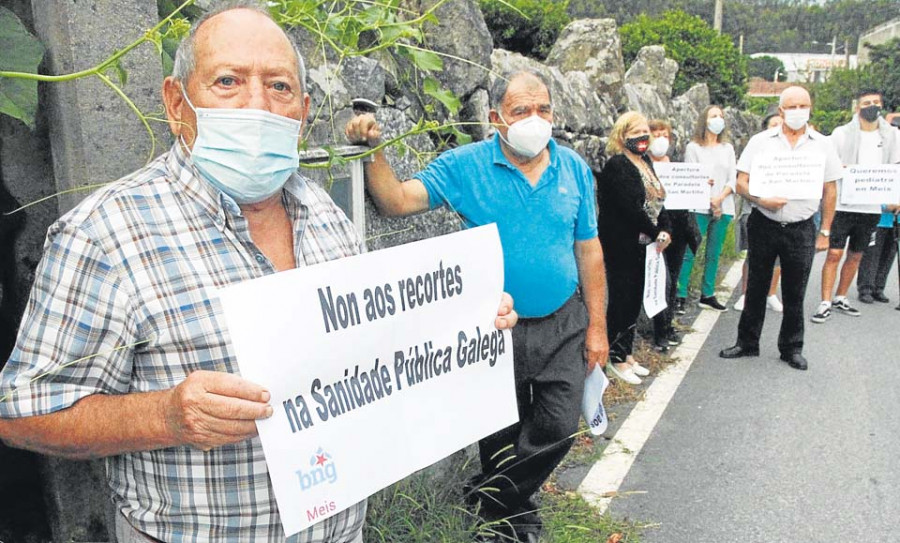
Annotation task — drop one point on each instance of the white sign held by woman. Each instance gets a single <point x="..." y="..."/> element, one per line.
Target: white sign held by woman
<point x="654" y="281"/>
<point x="686" y="184"/>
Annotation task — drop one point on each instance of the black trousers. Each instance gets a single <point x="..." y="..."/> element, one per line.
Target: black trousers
<point x="550" y="372"/>
<point x="625" y="288"/>
<point x="674" y="257"/>
<point x="876" y="262"/>
<point x="795" y="244"/>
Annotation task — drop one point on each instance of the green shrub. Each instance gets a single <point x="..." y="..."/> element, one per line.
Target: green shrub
<point x="703" y="55"/>
<point x="766" y="67"/>
<point x="529" y="27"/>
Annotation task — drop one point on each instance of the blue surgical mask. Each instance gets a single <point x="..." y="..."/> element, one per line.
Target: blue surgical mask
<point x="248" y="154"/>
<point x="715" y="125"/>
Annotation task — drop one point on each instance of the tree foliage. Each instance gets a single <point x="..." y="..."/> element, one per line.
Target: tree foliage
<point x="766" y="67"/>
<point x="529" y="27"/>
<point x="703" y="55"/>
<point x="833" y="99"/>
<point x="773" y="26"/>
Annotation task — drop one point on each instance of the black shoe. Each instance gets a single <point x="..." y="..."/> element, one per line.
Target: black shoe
<point x="738" y="351"/>
<point x="672" y="338"/>
<point x="880" y="297"/>
<point x="710" y="302"/>
<point x="795" y="360"/>
<point x="867" y="298"/>
<point x="660" y="345"/>
<point x="679" y="306"/>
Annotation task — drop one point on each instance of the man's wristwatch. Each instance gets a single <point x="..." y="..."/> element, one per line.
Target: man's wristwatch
<point x="825" y="233"/>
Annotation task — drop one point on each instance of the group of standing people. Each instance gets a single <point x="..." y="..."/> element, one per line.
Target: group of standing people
<point x="123" y="316"/>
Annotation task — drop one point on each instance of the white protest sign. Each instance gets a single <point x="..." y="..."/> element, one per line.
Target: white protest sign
<point x="871" y="184"/>
<point x="379" y="365"/>
<point x="686" y="183"/>
<point x="654" y="281"/>
<point x="795" y="176"/>
<point x="592" y="408"/>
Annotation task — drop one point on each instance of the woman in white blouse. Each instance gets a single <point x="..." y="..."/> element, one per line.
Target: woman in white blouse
<point x="709" y="145"/>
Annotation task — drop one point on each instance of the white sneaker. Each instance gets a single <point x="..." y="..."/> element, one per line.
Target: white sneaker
<point x="639" y="370"/>
<point x="624" y="374"/>
<point x="739" y="304"/>
<point x="773" y="303"/>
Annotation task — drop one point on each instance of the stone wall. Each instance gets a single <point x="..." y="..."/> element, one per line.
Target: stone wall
<point x="86" y="135"/>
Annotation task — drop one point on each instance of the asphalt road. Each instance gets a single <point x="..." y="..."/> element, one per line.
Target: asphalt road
<point x="751" y="450"/>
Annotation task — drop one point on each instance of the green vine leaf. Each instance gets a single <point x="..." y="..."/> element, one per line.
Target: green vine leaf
<point x="433" y="88"/>
<point x="424" y="60"/>
<point x="22" y="52"/>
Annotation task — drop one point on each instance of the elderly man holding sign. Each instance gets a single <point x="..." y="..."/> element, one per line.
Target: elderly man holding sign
<point x="784" y="173"/>
<point x="124" y="352"/>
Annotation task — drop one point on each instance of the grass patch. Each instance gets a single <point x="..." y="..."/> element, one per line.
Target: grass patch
<point x="570" y="519"/>
<point x="428" y="507"/>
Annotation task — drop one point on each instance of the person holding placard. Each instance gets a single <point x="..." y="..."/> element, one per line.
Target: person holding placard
<point x="631" y="216"/>
<point x="710" y="145"/>
<point x="541" y="195"/>
<point x="878" y="258"/>
<point x="124" y="351"/>
<point x="684" y="234"/>
<point x="866" y="140"/>
<point x="783" y="159"/>
<point x="771" y="120"/>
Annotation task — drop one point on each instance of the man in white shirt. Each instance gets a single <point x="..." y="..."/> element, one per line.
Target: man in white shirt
<point x="867" y="139"/>
<point x="783" y="228"/>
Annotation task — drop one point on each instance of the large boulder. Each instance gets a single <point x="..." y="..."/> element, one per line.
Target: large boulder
<point x="462" y="38"/>
<point x="683" y="115"/>
<point x="651" y="67"/>
<point x="577" y="107"/>
<point x="475" y="114"/>
<point x="646" y="99"/>
<point x="742" y="125"/>
<point x="591" y="46"/>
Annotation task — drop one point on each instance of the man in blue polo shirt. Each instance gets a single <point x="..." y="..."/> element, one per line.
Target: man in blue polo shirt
<point x="542" y="198"/>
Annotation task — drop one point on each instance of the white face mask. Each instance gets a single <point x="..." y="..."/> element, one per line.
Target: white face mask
<point x="529" y="136"/>
<point x="716" y="125"/>
<point x="659" y="146"/>
<point x="248" y="154"/>
<point x="796" y="118"/>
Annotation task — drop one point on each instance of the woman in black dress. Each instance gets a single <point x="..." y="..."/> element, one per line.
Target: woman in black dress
<point x="630" y="217"/>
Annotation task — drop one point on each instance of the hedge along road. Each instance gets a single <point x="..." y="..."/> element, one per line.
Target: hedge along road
<point x="750" y="450"/>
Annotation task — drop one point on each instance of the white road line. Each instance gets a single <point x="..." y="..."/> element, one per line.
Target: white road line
<point x="606" y="475"/>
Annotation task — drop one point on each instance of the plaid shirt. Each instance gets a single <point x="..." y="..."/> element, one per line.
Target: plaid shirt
<point x="142" y="260"/>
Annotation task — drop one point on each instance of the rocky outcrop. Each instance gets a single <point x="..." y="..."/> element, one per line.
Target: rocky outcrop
<point x="651" y="67"/>
<point x="591" y="46"/>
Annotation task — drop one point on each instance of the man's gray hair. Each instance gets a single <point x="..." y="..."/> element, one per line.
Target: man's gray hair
<point x="501" y="85"/>
<point x="185" y="60"/>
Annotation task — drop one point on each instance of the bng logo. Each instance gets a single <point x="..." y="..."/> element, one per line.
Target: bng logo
<point x="322" y="470"/>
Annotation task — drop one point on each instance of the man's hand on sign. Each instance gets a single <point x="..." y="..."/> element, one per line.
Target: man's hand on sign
<point x="506" y="315"/>
<point x="210" y="409"/>
<point x="596" y="347"/>
<point x="363" y="130"/>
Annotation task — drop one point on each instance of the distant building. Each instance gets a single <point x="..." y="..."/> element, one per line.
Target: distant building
<point x="809" y="68"/>
<point x="760" y="87"/>
<point x="882" y="33"/>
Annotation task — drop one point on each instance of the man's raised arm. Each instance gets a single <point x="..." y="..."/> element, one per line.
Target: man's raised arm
<point x="392" y="197"/>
